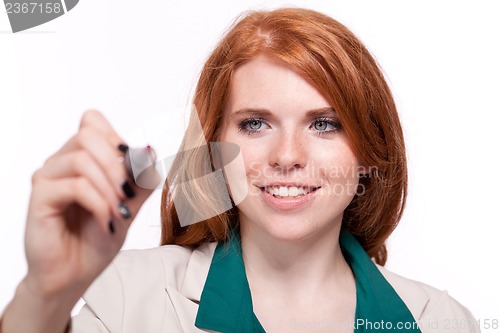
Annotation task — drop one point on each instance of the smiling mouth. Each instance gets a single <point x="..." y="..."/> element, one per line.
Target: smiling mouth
<point x="289" y="191"/>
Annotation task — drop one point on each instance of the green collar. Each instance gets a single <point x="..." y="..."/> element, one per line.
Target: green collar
<point x="226" y="302"/>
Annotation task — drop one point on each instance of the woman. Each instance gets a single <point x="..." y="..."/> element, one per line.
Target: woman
<point x="322" y="185"/>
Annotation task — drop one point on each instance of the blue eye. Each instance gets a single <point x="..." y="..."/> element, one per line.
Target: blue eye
<point x="320" y="125"/>
<point x="326" y="125"/>
<point x="250" y="125"/>
<point x="255" y="124"/>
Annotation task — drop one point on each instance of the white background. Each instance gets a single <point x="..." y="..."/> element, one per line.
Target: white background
<point x="138" y="61"/>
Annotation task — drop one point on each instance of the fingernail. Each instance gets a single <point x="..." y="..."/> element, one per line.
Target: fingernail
<point x="123" y="148"/>
<point x="124" y="210"/>
<point x="128" y="190"/>
<point x="111" y="227"/>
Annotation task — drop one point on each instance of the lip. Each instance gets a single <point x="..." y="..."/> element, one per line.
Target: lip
<point x="288" y="203"/>
<point x="306" y="186"/>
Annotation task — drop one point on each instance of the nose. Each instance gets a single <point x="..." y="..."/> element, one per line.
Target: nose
<point x="288" y="152"/>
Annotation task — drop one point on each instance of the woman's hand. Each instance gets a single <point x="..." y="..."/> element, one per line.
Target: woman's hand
<point x="79" y="213"/>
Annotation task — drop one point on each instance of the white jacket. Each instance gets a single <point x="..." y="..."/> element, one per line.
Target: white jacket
<point x="159" y="289"/>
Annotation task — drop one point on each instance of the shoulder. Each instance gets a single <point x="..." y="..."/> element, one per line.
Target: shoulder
<point x="144" y="282"/>
<point x="435" y="310"/>
<point x="166" y="264"/>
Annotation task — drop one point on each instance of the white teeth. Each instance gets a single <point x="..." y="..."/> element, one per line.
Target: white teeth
<point x="283" y="191"/>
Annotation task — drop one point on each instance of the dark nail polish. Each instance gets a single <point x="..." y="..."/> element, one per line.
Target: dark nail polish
<point x="128" y="190"/>
<point x="124" y="210"/>
<point x="111" y="227"/>
<point x="123" y="148"/>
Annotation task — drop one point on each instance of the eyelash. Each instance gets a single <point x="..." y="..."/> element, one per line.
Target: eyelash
<point x="243" y="126"/>
<point x="330" y="121"/>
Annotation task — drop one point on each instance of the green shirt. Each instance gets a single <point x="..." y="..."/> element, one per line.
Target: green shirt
<point x="226" y="303"/>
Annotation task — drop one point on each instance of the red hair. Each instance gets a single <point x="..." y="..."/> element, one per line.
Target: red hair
<point x="327" y="54"/>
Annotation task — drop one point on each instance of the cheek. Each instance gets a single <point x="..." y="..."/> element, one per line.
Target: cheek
<point x="338" y="168"/>
<point x="254" y="160"/>
<point x="241" y="170"/>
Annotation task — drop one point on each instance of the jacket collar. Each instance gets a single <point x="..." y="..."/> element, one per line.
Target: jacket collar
<point x="224" y="298"/>
<point x="376" y="299"/>
<point x="196" y="271"/>
<point x="226" y="303"/>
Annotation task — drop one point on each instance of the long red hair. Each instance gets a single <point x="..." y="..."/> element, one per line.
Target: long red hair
<point x="329" y="55"/>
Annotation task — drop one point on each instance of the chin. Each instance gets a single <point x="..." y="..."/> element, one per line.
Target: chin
<point x="289" y="229"/>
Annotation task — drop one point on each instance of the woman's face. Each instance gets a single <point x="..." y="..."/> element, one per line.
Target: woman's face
<point x="300" y="170"/>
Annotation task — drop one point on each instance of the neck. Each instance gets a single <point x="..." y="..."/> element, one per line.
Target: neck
<point x="300" y="266"/>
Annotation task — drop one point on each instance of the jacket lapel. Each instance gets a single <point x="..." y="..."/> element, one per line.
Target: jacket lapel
<point x="376" y="300"/>
<point x="226" y="303"/>
<point x="184" y="298"/>
<point x="197" y="271"/>
<point x="215" y="279"/>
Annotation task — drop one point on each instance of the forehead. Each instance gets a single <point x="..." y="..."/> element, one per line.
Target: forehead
<point x="269" y="83"/>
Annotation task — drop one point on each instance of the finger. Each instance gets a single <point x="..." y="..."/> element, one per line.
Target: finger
<point x="146" y="180"/>
<point x="95" y="119"/>
<point x="104" y="153"/>
<point x="59" y="194"/>
<point x="81" y="163"/>
<point x="135" y="204"/>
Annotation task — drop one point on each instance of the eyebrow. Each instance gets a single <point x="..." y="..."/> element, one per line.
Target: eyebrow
<point x="258" y="112"/>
